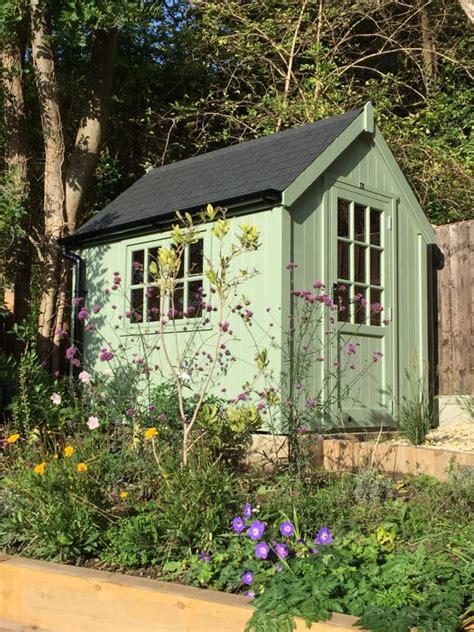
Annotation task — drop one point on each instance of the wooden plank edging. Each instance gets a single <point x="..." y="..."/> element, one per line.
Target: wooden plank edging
<point x="341" y="455"/>
<point x="64" y="598"/>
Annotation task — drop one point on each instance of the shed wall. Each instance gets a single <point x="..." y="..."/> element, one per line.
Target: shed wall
<point x="263" y="291"/>
<point x="365" y="167"/>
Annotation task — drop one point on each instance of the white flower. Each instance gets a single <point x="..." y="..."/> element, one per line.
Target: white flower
<point x="92" y="423"/>
<point x="56" y="399"/>
<point x="184" y="377"/>
<point x="85" y="377"/>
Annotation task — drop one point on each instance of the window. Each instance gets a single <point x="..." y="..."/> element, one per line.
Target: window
<point x="145" y="300"/>
<point x="359" y="287"/>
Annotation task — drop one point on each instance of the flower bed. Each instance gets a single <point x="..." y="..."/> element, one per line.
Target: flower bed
<point x="69" y="599"/>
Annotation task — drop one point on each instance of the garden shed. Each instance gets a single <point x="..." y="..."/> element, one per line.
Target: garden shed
<point x="328" y="197"/>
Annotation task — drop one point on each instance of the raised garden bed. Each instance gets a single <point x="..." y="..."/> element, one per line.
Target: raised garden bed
<point x="391" y="458"/>
<point x="60" y="598"/>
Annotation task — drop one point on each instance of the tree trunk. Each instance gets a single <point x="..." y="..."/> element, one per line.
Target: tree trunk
<point x="468" y="8"/>
<point x="53" y="202"/>
<point x="92" y="126"/>
<point x="428" y="48"/>
<point x="16" y="168"/>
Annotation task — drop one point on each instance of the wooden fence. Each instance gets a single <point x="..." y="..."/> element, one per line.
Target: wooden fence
<point x="455" y="309"/>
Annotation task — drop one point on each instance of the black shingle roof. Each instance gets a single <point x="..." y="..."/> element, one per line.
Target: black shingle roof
<point x="267" y="164"/>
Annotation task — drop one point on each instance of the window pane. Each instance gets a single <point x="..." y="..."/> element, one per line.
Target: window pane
<point x="343" y="207"/>
<point x="343" y="254"/>
<point x="138" y="259"/>
<point x="194" y="299"/>
<point x="177" y="303"/>
<point x="359" y="264"/>
<point x="341" y="299"/>
<point x="359" y="222"/>
<point x="375" y="307"/>
<point x="152" y="264"/>
<point x="375" y="259"/>
<point x="375" y="216"/>
<point x="153" y="304"/>
<point x="360" y="305"/>
<point x="180" y="250"/>
<point x="196" y="255"/>
<point x="136" y="304"/>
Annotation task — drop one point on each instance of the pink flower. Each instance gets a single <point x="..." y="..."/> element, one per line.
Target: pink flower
<point x="70" y="352"/>
<point x="96" y="309"/>
<point x="77" y="300"/>
<point x="92" y="423"/>
<point x="376" y="356"/>
<point x="83" y="313"/>
<point x="85" y="377"/>
<point x="56" y="399"/>
<point x="105" y="355"/>
<point x="291" y="266"/>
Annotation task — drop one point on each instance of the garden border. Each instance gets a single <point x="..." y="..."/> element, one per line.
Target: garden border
<point x="63" y="598"/>
<point x="341" y="455"/>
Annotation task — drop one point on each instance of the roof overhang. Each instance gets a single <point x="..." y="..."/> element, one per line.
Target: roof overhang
<point x="247" y="203"/>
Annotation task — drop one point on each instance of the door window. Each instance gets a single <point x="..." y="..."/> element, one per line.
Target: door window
<point x="359" y="288"/>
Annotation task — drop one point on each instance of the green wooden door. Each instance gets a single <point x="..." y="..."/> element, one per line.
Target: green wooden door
<point x="362" y="273"/>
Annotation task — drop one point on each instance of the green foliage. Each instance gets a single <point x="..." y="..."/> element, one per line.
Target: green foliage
<point x="191" y="505"/>
<point x="414" y="412"/>
<point x="387" y="592"/>
<point x="59" y="515"/>
<point x="371" y="487"/>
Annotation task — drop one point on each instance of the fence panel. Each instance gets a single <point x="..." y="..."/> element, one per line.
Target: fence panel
<point x="455" y="309"/>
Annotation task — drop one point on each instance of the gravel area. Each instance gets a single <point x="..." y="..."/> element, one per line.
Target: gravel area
<point x="451" y="436"/>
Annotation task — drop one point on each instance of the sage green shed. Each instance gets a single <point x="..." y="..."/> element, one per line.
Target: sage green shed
<point x="329" y="197"/>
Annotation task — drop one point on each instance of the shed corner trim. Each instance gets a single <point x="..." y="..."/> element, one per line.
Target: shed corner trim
<point x="359" y="125"/>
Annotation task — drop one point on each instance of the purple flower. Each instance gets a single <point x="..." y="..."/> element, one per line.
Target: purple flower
<point x="376" y="356"/>
<point x="256" y="530"/>
<point x="238" y="525"/>
<point x="291" y="266"/>
<point x="311" y="403"/>
<point x="224" y="326"/>
<point x="247" y="578"/>
<point x="105" y="355"/>
<point x="77" y="300"/>
<point x="83" y="313"/>
<point x="323" y="536"/>
<point x="249" y="594"/>
<point x="96" y="309"/>
<point x="70" y="352"/>
<point x="247" y="511"/>
<point x="281" y="550"/>
<point x="287" y="528"/>
<point x="205" y="557"/>
<point x="241" y="397"/>
<point x="262" y="550"/>
<point x="318" y="285"/>
<point x="351" y="348"/>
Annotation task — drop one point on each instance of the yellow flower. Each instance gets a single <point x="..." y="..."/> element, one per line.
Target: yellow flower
<point x="40" y="468"/>
<point x="81" y="467"/>
<point x="150" y="433"/>
<point x="13" y="438"/>
<point x="123" y="495"/>
<point x="68" y="451"/>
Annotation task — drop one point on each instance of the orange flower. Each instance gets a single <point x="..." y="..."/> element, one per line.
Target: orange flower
<point x="13" y="438"/>
<point x="123" y="495"/>
<point x="40" y="468"/>
<point x="81" y="467"/>
<point x="150" y="433"/>
<point x="68" y="451"/>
